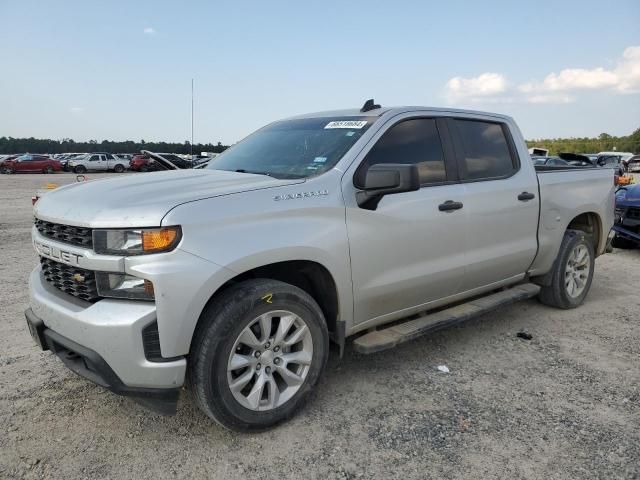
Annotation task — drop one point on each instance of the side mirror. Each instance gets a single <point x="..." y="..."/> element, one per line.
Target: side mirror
<point x="386" y="179"/>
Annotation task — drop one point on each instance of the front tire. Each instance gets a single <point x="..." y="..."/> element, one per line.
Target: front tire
<point x="80" y="169"/>
<point x="257" y="354"/>
<point x="48" y="170"/>
<point x="118" y="168"/>
<point x="572" y="272"/>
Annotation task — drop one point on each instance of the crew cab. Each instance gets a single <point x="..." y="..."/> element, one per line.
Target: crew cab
<point x="373" y="224"/>
<point x="98" y="162"/>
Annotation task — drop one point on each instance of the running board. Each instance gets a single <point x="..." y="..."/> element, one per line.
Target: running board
<point x="379" y="340"/>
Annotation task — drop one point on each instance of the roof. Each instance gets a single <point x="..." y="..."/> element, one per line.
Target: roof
<point x="378" y="112"/>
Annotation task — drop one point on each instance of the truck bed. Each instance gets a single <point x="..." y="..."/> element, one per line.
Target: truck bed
<point x="563" y="193"/>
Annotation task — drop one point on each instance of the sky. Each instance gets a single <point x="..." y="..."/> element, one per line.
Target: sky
<point x="121" y="70"/>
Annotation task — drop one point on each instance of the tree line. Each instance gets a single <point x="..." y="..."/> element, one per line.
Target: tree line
<point x="67" y="145"/>
<point x="602" y="143"/>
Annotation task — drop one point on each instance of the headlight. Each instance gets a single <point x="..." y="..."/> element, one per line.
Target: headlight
<point x="121" y="285"/>
<point x="136" y="241"/>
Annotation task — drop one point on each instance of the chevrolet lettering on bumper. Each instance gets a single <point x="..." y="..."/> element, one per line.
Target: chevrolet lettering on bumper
<point x="55" y="253"/>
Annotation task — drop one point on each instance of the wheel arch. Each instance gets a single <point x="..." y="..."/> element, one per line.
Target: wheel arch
<point x="591" y="224"/>
<point x="588" y="222"/>
<point x="308" y="275"/>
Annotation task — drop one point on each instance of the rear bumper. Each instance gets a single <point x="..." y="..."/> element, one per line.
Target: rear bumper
<point x="89" y="364"/>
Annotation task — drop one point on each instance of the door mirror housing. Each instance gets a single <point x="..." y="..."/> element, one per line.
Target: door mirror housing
<point x="386" y="179"/>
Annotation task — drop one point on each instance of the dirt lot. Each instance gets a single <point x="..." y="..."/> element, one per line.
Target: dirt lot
<point x="564" y="405"/>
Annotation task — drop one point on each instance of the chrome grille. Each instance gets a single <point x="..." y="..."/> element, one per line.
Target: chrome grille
<point x="65" y="233"/>
<point x="75" y="281"/>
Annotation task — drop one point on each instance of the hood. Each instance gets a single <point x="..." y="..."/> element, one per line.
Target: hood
<point x="142" y="200"/>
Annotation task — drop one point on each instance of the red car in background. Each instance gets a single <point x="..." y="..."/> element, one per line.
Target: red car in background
<point x="30" y="163"/>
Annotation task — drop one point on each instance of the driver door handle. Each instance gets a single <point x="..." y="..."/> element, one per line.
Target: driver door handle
<point x="525" y="196"/>
<point x="450" y="205"/>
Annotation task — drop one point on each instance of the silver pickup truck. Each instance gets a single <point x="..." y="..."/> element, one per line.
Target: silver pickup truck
<point x="380" y="224"/>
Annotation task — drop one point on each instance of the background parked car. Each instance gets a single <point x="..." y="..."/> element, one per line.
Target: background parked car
<point x="66" y="157"/>
<point x="143" y="162"/>
<point x="30" y="163"/>
<point x="627" y="217"/>
<point x="577" y="160"/>
<point x="99" y="161"/>
<point x="549" y="161"/>
<point x="633" y="166"/>
<point x="611" y="161"/>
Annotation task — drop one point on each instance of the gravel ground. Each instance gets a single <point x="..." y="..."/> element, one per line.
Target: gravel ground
<point x="565" y="404"/>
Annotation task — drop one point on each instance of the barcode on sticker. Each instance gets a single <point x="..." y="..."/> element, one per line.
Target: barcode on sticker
<point x="346" y="124"/>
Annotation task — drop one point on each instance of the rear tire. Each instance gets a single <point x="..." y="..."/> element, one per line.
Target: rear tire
<point x="572" y="272"/>
<point x="48" y="170"/>
<point x="239" y="371"/>
<point x="80" y="169"/>
<point x="118" y="168"/>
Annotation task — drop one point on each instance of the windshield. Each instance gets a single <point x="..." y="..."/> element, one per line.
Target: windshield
<point x="294" y="148"/>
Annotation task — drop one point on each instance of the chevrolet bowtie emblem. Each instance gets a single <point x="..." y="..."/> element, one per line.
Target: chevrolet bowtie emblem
<point x="78" y="277"/>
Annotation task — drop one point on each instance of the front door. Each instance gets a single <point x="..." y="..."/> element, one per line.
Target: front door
<point x="409" y="251"/>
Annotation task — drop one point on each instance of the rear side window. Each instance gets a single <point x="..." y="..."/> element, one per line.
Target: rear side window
<point x="483" y="149"/>
<point x="413" y="141"/>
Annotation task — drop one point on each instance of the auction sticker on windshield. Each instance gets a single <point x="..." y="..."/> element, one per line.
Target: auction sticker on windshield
<point x="346" y="124"/>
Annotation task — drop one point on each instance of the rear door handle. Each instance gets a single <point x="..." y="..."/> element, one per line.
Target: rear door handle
<point x="526" y="196"/>
<point x="450" y="205"/>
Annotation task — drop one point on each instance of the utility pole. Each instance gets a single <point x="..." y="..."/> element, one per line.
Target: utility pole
<point x="192" y="119"/>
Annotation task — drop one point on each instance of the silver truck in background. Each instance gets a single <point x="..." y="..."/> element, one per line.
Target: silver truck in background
<point x="356" y="223"/>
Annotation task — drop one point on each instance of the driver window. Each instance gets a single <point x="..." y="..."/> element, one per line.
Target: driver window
<point x="414" y="141"/>
<point x="94" y="158"/>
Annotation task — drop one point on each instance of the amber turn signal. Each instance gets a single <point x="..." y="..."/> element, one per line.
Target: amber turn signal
<point x="158" y="240"/>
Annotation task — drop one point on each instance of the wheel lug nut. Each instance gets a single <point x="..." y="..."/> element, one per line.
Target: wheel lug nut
<point x="258" y="367"/>
<point x="267" y="345"/>
<point x="276" y="361"/>
<point x="257" y="354"/>
<point x="268" y="369"/>
<point x="276" y="349"/>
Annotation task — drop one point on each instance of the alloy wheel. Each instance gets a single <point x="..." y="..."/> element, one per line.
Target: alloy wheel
<point x="270" y="360"/>
<point x="577" y="270"/>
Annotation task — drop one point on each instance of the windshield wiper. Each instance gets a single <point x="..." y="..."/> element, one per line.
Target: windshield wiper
<point x="242" y="170"/>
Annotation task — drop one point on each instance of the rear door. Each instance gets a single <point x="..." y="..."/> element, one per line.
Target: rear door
<point x="501" y="202"/>
<point x="407" y="252"/>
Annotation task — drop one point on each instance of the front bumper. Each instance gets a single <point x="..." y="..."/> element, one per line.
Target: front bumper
<point x="111" y="328"/>
<point x="627" y="233"/>
<point x="90" y="365"/>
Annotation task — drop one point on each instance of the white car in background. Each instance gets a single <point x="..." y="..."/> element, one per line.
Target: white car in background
<point x="99" y="162"/>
